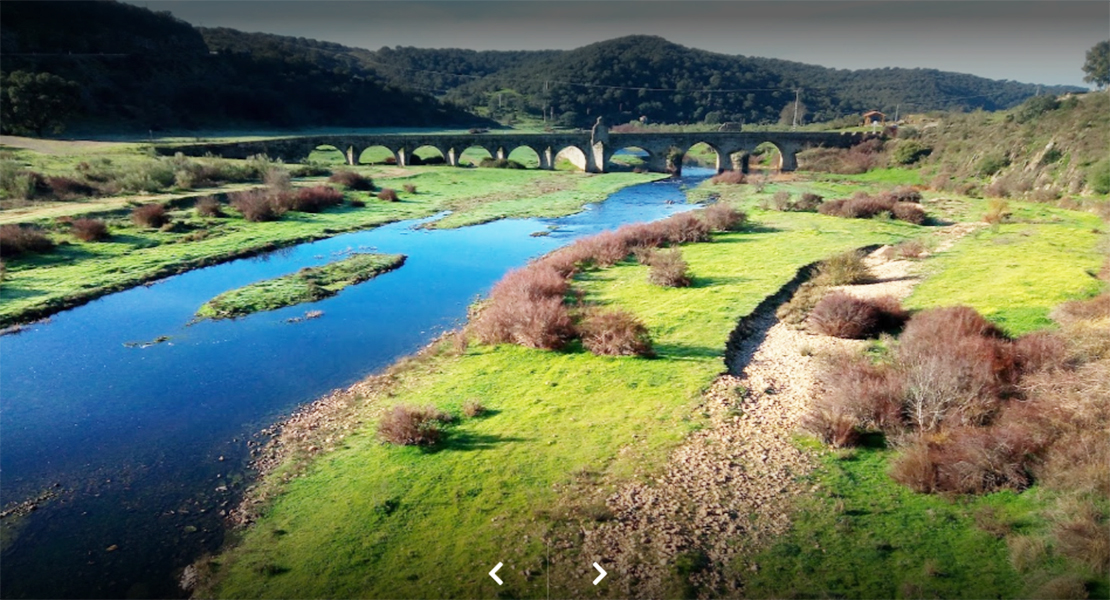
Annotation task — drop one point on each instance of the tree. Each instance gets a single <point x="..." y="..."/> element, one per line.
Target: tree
<point x="32" y="103"/>
<point x="1097" y="66"/>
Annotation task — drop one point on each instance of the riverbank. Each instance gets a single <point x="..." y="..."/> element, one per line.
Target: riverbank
<point x="561" y="430"/>
<point x="37" y="285"/>
<point x="566" y="432"/>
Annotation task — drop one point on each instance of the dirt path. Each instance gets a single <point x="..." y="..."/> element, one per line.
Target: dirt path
<point x="727" y="490"/>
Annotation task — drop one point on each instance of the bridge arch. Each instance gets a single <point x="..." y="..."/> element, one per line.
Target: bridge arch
<point x="572" y="155"/>
<point x="328" y="154"/>
<point x="629" y="158"/>
<point x="472" y="154"/>
<point x="696" y="155"/>
<point x="376" y="155"/>
<point x="525" y="155"/>
<point x="427" y="154"/>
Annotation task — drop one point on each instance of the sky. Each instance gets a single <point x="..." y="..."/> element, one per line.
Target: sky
<point x="1032" y="41"/>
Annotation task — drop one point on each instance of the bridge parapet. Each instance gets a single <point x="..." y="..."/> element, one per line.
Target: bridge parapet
<point x="594" y="157"/>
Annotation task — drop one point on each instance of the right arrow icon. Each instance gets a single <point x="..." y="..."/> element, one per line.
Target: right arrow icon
<point x="599" y="570"/>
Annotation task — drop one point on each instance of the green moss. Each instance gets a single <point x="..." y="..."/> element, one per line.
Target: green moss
<point x="306" y="285"/>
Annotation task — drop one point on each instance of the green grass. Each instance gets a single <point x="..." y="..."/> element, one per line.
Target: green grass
<point x="38" y="285"/>
<point x="375" y="520"/>
<point x="306" y="285"/>
<point x="1014" y="276"/>
<point x="865" y="536"/>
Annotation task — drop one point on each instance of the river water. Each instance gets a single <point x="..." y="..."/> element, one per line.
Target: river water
<point x="144" y="448"/>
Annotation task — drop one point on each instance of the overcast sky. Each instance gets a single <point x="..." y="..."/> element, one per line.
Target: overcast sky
<point x="1028" y="41"/>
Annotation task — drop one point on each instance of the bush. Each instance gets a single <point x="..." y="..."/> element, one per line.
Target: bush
<point x="410" y="188"/>
<point x="780" y="200"/>
<point x="1040" y="351"/>
<point x="388" y="195"/>
<point x="958" y="366"/>
<point x="16" y="240"/>
<point x="904" y="194"/>
<point x="65" y="188"/>
<point x="544" y="323"/>
<point x="473" y="408"/>
<point x="90" y="230"/>
<point x="209" y="206"/>
<point x="734" y="177"/>
<point x="413" y="425"/>
<point x="356" y="203"/>
<point x="722" y="217"/>
<point x="352" y="181"/>
<point x="871" y="395"/>
<point x="909" y="212"/>
<point x="807" y="203"/>
<point x="841" y="315"/>
<point x="685" y="228"/>
<point x="258" y="205"/>
<point x="991" y="164"/>
<point x="615" y="333"/>
<point x="910" y="249"/>
<point x="314" y="199"/>
<point x="668" y="269"/>
<point x="150" y="215"/>
<point x="500" y="163"/>
<point x="969" y="460"/>
<point x="846" y="268"/>
<point x="801" y="303"/>
<point x="908" y="152"/>
<point x="535" y="282"/>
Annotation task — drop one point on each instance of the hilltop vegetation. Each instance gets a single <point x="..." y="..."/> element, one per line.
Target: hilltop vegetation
<point x="108" y="66"/>
<point x="111" y="66"/>
<point x="609" y="79"/>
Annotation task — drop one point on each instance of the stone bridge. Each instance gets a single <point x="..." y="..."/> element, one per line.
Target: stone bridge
<point x="589" y="151"/>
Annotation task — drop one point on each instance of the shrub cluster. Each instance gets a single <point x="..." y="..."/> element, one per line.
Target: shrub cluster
<point x="722" y="217"/>
<point x="259" y="205"/>
<point x="865" y="206"/>
<point x="500" y="163"/>
<point x="150" y="215"/>
<point x="614" y="333"/>
<point x="388" y="195"/>
<point x="413" y="425"/>
<point x="17" y="239"/>
<point x="734" y="177"/>
<point x="409" y="188"/>
<point x="668" y="269"/>
<point x="858" y="159"/>
<point x="352" y="181"/>
<point x="784" y="201"/>
<point x="841" y="315"/>
<point x="976" y="411"/>
<point x="209" y="206"/>
<point x="313" y="199"/>
<point x="847" y="268"/>
<point x="90" y="230"/>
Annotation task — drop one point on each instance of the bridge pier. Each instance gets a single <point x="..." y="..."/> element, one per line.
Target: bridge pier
<point x="402" y="157"/>
<point x="352" y="158"/>
<point x="547" y="159"/>
<point x="451" y="157"/>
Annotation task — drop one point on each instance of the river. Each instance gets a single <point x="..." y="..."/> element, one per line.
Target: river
<point x="145" y="448"/>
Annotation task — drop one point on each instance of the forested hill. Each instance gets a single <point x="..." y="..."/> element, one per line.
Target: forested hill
<point x="109" y="66"/>
<point x="103" y="65"/>
<point x="629" y="77"/>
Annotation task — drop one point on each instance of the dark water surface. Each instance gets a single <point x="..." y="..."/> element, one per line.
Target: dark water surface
<point x="146" y="447"/>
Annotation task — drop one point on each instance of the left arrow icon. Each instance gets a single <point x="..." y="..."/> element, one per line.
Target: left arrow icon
<point x="493" y="574"/>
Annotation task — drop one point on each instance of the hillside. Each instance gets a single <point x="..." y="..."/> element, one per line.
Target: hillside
<point x="629" y="77"/>
<point x="113" y="66"/>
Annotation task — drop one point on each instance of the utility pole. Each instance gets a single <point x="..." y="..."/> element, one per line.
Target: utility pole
<point x="797" y="94"/>
<point x="896" y="107"/>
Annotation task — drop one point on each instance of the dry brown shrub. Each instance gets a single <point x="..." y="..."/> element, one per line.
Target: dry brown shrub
<point x="871" y="394"/>
<point x="842" y="315"/>
<point x="409" y="188"/>
<point x="1040" y="351"/>
<point x="1064" y="587"/>
<point x="412" y="425"/>
<point x="733" y="177"/>
<point x="833" y="208"/>
<point x="209" y="206"/>
<point x="534" y="282"/>
<point x="911" y="249"/>
<point x="615" y="333"/>
<point x="957" y="366"/>
<point x="909" y="212"/>
<point x="352" y="181"/>
<point x="915" y="468"/>
<point x="473" y="408"/>
<point x="780" y="200"/>
<point x="90" y="230"/>
<point x="722" y="217"/>
<point x="668" y="269"/>
<point x="795" y="311"/>
<point x="17" y="239"/>
<point x="808" y="202"/>
<point x="1084" y="535"/>
<point x="313" y="199"/>
<point x="684" y="228"/>
<point x="258" y="205"/>
<point x="544" y="323"/>
<point x="846" y="268"/>
<point x="976" y="460"/>
<point x="388" y="195"/>
<point x="1083" y="310"/>
<point x="150" y="215"/>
